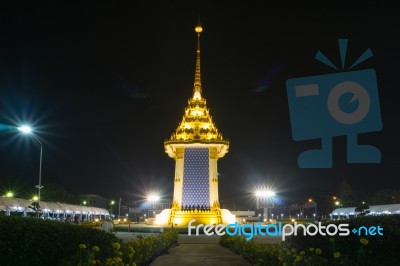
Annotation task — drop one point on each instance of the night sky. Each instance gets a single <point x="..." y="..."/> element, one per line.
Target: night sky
<point x="105" y="85"/>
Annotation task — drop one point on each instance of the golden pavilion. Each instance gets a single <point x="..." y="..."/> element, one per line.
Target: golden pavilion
<point x="196" y="145"/>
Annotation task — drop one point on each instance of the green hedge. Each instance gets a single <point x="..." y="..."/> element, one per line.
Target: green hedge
<point x="30" y="241"/>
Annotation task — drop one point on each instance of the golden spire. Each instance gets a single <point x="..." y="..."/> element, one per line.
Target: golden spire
<point x="197" y="125"/>
<point x="197" y="75"/>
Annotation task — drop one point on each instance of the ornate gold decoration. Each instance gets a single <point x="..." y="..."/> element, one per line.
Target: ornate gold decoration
<point x="179" y="153"/>
<point x="213" y="153"/>
<point x="177" y="179"/>
<point x="215" y="206"/>
<point x="175" y="205"/>
<point x="197" y="124"/>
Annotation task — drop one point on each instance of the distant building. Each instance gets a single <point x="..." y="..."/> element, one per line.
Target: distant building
<point x="147" y="210"/>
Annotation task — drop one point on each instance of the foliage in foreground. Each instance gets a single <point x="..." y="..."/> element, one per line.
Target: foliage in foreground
<point x="29" y="241"/>
<point x="326" y="250"/>
<point x="139" y="252"/>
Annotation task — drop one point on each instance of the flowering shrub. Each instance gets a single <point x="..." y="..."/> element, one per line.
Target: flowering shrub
<point x="139" y="252"/>
<point x="254" y="252"/>
<point x="358" y="250"/>
<point x="322" y="250"/>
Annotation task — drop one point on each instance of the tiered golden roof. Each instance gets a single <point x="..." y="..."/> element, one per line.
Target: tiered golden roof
<point x="197" y="125"/>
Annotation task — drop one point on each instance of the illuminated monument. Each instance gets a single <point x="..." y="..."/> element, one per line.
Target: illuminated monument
<point x="196" y="146"/>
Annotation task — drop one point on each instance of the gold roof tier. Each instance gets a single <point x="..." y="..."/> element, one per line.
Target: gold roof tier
<point x="197" y="126"/>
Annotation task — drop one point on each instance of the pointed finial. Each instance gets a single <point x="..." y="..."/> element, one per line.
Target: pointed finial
<point x="197" y="75"/>
<point x="198" y="29"/>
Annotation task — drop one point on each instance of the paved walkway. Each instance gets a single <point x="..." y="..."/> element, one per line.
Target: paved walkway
<point x="201" y="250"/>
<point x="198" y="250"/>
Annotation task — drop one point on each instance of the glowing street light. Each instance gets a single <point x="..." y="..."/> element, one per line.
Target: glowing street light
<point x="9" y="194"/>
<point x="263" y="195"/>
<point x="310" y="200"/>
<point x="153" y="198"/>
<point x="112" y="202"/>
<point x="27" y="130"/>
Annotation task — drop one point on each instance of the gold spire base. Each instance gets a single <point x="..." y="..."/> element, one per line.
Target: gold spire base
<point x="181" y="218"/>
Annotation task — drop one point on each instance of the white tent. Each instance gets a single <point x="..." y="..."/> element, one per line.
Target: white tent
<point x="344" y="211"/>
<point x="373" y="210"/>
<point x="21" y="205"/>
<point x="384" y="209"/>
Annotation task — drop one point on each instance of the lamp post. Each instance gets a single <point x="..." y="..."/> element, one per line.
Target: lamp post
<point x="119" y="208"/>
<point x="264" y="196"/>
<point x="152" y="199"/>
<point x="310" y="200"/>
<point x="27" y="130"/>
<point x="112" y="202"/>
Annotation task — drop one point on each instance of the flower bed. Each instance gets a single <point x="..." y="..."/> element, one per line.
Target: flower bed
<point x="140" y="252"/>
<point x="324" y="250"/>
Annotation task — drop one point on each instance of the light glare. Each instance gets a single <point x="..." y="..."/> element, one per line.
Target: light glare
<point x="153" y="198"/>
<point x="25" y="129"/>
<point x="265" y="193"/>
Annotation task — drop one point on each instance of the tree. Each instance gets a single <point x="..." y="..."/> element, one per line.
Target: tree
<point x="56" y="193"/>
<point x="347" y="197"/>
<point x="386" y="196"/>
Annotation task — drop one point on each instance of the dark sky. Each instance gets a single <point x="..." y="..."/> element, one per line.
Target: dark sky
<point x="105" y="85"/>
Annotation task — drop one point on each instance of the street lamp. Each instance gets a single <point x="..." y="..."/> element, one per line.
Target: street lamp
<point x="112" y="202"/>
<point x="152" y="199"/>
<point x="310" y="200"/>
<point x="264" y="195"/>
<point x="27" y="130"/>
<point x="9" y="194"/>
